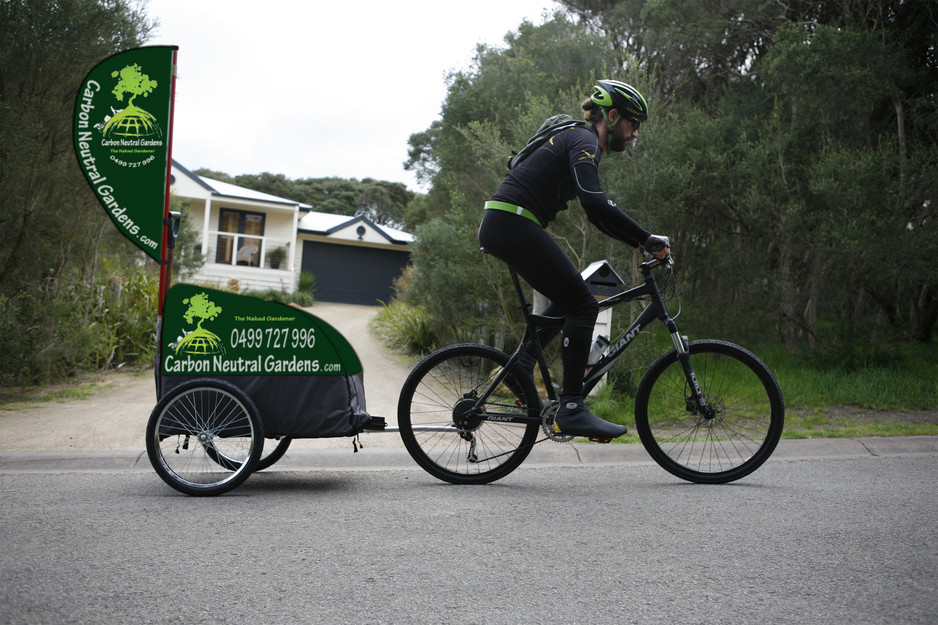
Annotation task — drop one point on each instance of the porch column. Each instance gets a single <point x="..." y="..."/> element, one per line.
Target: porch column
<point x="292" y="245"/>
<point x="206" y="221"/>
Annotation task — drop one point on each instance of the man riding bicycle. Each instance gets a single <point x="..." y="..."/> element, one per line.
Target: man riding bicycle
<point x="529" y="198"/>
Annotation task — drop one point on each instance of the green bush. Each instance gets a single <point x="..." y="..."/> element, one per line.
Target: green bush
<point x="404" y="328"/>
<point x="53" y="331"/>
<point x="303" y="299"/>
<point x="271" y="295"/>
<point x="906" y="379"/>
<point x="307" y="282"/>
<point x="304" y="293"/>
<point x="128" y="319"/>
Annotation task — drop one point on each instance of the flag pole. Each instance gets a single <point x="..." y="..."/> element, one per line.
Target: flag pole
<point x="170" y="232"/>
<point x="170" y="229"/>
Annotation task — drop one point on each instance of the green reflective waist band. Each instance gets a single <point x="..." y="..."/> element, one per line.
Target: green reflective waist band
<point x="511" y="208"/>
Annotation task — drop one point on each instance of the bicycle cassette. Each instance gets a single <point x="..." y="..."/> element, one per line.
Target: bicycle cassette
<point x="547" y="423"/>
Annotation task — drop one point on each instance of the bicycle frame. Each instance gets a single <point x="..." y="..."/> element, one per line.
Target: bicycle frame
<point x="657" y="309"/>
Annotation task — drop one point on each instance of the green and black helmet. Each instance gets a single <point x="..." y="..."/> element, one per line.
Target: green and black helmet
<point x="613" y="94"/>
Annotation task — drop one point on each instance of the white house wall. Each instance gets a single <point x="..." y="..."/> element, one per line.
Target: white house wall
<point x="282" y="227"/>
<point x="279" y="230"/>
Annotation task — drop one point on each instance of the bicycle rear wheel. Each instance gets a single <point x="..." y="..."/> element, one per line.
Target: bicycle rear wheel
<point x="451" y="440"/>
<point x="711" y="448"/>
<point x="204" y="437"/>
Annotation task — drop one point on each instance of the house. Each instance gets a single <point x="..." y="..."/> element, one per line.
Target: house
<point x="263" y="242"/>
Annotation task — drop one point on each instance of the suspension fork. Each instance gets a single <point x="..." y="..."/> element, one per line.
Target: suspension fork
<point x="699" y="404"/>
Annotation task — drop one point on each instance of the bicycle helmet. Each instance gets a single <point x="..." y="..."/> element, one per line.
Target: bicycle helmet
<point x="613" y="94"/>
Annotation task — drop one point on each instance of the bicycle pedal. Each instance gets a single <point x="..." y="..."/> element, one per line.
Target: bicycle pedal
<point x="598" y="439"/>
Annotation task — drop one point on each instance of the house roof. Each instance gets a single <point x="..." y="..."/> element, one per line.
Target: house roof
<point x="226" y="189"/>
<point x="328" y="224"/>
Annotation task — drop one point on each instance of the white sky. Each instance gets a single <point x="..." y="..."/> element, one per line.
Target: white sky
<point x="314" y="89"/>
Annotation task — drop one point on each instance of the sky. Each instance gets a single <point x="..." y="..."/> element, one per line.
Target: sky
<point x="315" y="89"/>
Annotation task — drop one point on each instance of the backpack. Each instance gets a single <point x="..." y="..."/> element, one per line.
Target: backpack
<point x="550" y="127"/>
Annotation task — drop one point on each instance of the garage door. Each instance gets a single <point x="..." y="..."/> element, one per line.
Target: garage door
<point x="352" y="275"/>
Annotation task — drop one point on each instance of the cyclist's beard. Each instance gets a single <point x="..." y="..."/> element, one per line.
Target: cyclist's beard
<point x="618" y="144"/>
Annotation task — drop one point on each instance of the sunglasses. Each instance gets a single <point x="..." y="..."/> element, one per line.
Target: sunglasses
<point x="635" y="122"/>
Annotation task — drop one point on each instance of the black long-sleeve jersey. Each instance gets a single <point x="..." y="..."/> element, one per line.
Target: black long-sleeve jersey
<point x="563" y="168"/>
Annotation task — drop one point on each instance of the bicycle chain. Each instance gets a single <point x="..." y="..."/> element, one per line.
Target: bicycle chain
<point x="547" y="423"/>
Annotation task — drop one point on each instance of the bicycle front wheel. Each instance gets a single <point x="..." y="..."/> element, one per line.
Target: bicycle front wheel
<point x="726" y="440"/>
<point x="204" y="437"/>
<point x="448" y="435"/>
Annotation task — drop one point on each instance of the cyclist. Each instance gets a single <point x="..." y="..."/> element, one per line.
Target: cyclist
<point x="531" y="195"/>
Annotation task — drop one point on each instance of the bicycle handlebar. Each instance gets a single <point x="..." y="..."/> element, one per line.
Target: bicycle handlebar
<point x="648" y="265"/>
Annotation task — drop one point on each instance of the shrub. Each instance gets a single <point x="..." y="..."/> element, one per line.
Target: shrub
<point x="404" y="328"/>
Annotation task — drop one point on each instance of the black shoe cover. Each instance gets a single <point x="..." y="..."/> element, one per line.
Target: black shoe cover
<point x="574" y="419"/>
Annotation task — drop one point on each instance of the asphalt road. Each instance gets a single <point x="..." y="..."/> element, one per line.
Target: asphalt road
<point x="809" y="538"/>
<point x="828" y="531"/>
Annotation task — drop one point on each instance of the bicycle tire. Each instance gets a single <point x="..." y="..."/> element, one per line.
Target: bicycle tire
<point x="750" y="413"/>
<point x="271" y="454"/>
<point x="438" y="430"/>
<point x="269" y="458"/>
<point x="204" y="437"/>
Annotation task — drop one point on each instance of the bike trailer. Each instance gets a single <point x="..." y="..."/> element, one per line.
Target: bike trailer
<point x="304" y="377"/>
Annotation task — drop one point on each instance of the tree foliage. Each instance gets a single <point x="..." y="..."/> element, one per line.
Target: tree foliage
<point x="381" y="201"/>
<point x="54" y="237"/>
<point x="791" y="156"/>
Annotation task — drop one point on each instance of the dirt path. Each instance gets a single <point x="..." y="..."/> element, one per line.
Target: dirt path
<point x="110" y="411"/>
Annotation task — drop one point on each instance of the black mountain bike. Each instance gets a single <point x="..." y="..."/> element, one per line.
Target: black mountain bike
<point x="708" y="411"/>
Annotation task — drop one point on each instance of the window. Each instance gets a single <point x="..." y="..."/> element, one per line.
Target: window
<point x="239" y="239"/>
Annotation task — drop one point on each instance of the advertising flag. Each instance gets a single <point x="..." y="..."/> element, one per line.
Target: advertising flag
<point x="122" y="137"/>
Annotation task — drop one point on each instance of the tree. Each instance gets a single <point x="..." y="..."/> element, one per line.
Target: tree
<point x="52" y="231"/>
<point x="381" y="201"/>
<point x="693" y="49"/>
<point x="201" y="308"/>
<point x="791" y="153"/>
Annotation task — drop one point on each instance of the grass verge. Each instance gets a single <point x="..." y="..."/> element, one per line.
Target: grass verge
<point x="894" y="394"/>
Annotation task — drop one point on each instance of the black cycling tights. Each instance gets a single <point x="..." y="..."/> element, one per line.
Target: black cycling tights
<point x="538" y="259"/>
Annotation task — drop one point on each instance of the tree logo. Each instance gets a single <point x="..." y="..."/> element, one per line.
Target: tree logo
<point x="200" y="341"/>
<point x="132" y="134"/>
